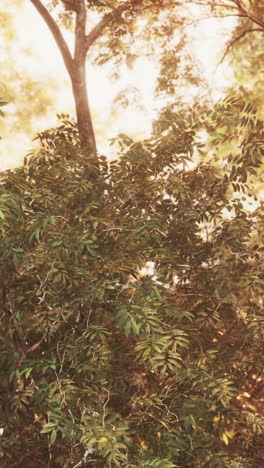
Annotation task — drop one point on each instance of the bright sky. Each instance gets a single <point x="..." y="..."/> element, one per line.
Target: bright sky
<point x="44" y="62"/>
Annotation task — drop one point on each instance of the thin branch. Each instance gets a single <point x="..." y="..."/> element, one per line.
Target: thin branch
<point x="225" y="5"/>
<point x="34" y="346"/>
<point x="56" y="32"/>
<point x="105" y="404"/>
<point x="4" y="297"/>
<point x="237" y="38"/>
<point x="22" y="458"/>
<point x="248" y="15"/>
<point x="217" y="16"/>
<point x="105" y="21"/>
<point x="29" y="350"/>
<point x="79" y="463"/>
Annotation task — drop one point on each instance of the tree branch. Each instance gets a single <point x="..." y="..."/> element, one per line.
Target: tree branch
<point x="4" y="297"/>
<point x="98" y="29"/>
<point x="236" y="39"/>
<point x="247" y="14"/>
<point x="56" y="32"/>
<point x="105" y="21"/>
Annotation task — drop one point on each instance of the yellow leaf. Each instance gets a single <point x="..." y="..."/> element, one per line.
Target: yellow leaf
<point x="103" y="440"/>
<point x="163" y="423"/>
<point x="225" y="438"/>
<point x="250" y="406"/>
<point x="143" y="445"/>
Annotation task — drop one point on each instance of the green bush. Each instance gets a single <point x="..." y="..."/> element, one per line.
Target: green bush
<point x="108" y="363"/>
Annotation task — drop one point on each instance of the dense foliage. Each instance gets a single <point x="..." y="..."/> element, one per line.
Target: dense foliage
<point x="131" y="302"/>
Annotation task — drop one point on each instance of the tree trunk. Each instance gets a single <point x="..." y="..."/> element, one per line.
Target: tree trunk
<point x="84" y="119"/>
<point x="76" y="65"/>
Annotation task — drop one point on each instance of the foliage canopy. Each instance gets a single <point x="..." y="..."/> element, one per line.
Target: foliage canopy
<point x="105" y="363"/>
<point x="132" y="303"/>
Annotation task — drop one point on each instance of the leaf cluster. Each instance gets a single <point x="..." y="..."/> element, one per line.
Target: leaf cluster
<point x="132" y="314"/>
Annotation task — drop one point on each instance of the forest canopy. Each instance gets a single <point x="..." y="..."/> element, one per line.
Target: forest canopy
<point x="131" y="288"/>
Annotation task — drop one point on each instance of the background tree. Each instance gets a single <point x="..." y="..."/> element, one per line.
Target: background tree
<point x="244" y="53"/>
<point x="29" y="99"/>
<point x="249" y="15"/>
<point x="115" y="33"/>
<point x="169" y="48"/>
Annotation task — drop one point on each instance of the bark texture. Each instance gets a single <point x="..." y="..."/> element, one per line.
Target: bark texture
<point x="83" y="113"/>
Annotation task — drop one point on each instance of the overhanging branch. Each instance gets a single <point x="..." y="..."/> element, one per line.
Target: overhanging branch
<point x="105" y="21"/>
<point x="251" y="17"/>
<point x="56" y="32"/>
<point x="237" y="38"/>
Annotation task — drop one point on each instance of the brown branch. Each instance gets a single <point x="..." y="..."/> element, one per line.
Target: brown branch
<point x="237" y="5"/>
<point x="236" y="39"/>
<point x="56" y="32"/>
<point x="4" y="298"/>
<point x="35" y="346"/>
<point x="24" y="352"/>
<point x="105" y="21"/>
<point x="23" y="457"/>
<point x="225" y="5"/>
<point x="247" y="14"/>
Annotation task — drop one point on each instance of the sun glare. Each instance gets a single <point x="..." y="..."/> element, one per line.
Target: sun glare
<point x="41" y="59"/>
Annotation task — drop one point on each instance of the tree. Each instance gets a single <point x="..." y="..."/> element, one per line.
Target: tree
<point x="120" y="17"/>
<point x="108" y="364"/>
<point x="249" y="15"/>
<point x="29" y="98"/>
<point x="119" y="36"/>
<point x="105" y="362"/>
<point x="117" y="22"/>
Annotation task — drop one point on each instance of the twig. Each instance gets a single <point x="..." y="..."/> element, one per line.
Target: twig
<point x="79" y="463"/>
<point x="237" y="38"/>
<point x="248" y="15"/>
<point x="105" y="404"/>
<point x="46" y="278"/>
<point x="4" y="298"/>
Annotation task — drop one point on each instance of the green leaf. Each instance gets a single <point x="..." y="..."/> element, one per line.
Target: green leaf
<point x="48" y="427"/>
<point x="28" y="372"/>
<point x="15" y="260"/>
<point x="53" y="436"/>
